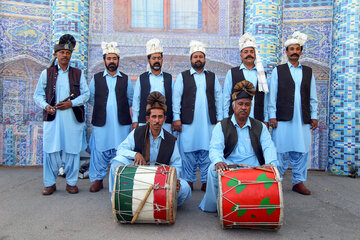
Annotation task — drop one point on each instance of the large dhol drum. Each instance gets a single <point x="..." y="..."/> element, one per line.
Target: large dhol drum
<point x="145" y="194"/>
<point x="250" y="198"/>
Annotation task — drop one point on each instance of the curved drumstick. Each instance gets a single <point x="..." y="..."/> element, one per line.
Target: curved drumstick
<point x="138" y="210"/>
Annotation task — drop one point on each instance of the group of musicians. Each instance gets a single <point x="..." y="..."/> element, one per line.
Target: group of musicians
<point x="189" y="123"/>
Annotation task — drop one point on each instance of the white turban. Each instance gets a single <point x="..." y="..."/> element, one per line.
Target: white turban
<point x="197" y="46"/>
<point x="296" y="38"/>
<point x="153" y="46"/>
<point x="245" y="41"/>
<point x="110" y="48"/>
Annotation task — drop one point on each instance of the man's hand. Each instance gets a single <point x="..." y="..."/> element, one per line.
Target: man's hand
<point x="134" y="125"/>
<point x="50" y="110"/>
<point x="221" y="166"/>
<point x="273" y="122"/>
<point x="314" y="124"/>
<point x="139" y="160"/>
<point x="178" y="185"/>
<point x="63" y="105"/>
<point x="177" y="126"/>
<point x="266" y="124"/>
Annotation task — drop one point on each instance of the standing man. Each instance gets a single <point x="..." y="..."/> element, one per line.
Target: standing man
<point x="238" y="139"/>
<point x="293" y="112"/>
<point x="252" y="70"/>
<point x="151" y="143"/>
<point x="111" y="95"/>
<point x="150" y="81"/>
<point x="197" y="106"/>
<point x="62" y="92"/>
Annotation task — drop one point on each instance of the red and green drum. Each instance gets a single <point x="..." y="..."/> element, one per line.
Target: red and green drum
<point x="250" y="198"/>
<point x="131" y="186"/>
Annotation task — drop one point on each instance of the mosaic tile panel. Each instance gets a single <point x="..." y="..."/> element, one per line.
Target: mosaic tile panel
<point x="16" y="9"/>
<point x="72" y="17"/>
<point x="306" y="3"/>
<point x="344" y="143"/>
<point x="236" y="17"/>
<point x="319" y="13"/>
<point x="38" y="2"/>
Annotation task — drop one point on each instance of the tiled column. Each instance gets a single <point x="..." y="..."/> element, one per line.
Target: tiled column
<point x="344" y="110"/>
<point x="263" y="19"/>
<point x="72" y="17"/>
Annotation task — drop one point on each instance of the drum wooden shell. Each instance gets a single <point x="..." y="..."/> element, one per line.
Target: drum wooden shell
<point x="250" y="198"/>
<point x="131" y="183"/>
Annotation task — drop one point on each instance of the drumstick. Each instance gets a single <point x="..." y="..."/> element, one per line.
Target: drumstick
<point x="264" y="169"/>
<point x="142" y="204"/>
<point x="71" y="95"/>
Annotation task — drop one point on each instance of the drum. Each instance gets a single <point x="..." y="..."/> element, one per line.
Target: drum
<point x="250" y="198"/>
<point x="145" y="194"/>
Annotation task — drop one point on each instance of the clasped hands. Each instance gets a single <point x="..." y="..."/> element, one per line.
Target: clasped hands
<point x="60" y="106"/>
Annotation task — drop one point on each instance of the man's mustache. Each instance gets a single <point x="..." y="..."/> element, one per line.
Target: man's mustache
<point x="157" y="64"/>
<point x="295" y="54"/>
<point x="249" y="56"/>
<point x="156" y="124"/>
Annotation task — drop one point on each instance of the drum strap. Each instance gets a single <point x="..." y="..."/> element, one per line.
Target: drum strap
<point x="231" y="137"/>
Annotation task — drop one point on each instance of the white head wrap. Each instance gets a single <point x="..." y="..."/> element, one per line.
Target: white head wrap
<point x="296" y="38"/>
<point x="245" y="41"/>
<point x="110" y="48"/>
<point x="197" y="46"/>
<point x="153" y="46"/>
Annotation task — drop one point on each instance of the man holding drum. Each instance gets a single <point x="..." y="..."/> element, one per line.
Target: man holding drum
<point x="151" y="143"/>
<point x="238" y="139"/>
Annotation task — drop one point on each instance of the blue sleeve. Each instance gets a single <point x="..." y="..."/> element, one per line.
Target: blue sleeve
<point x="268" y="147"/>
<point x="273" y="94"/>
<point x="176" y="98"/>
<point x="92" y="92"/>
<point x="217" y="145"/>
<point x="313" y="99"/>
<point x="136" y="101"/>
<point x="39" y="94"/>
<point x="175" y="160"/>
<point x="130" y="92"/>
<point x="218" y="100"/>
<point x="125" y="149"/>
<point x="266" y="102"/>
<point x="84" y="93"/>
<point x="227" y="94"/>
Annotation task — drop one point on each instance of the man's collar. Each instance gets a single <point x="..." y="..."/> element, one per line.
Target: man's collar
<point x="242" y="66"/>
<point x="192" y="71"/>
<point x="247" y="124"/>
<point x="290" y="65"/>
<point x="150" y="72"/>
<point x="107" y="73"/>
<point x="59" y="68"/>
<point x="160" y="135"/>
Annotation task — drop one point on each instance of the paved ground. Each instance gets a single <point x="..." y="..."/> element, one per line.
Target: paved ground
<point x="331" y="212"/>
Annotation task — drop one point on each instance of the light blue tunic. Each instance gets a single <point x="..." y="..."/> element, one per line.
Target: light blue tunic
<point x="243" y="153"/>
<point x="196" y="136"/>
<point x="64" y="133"/>
<point x="292" y="135"/>
<point x="126" y="155"/>
<point x="156" y="84"/>
<point x="251" y="76"/>
<point x="112" y="133"/>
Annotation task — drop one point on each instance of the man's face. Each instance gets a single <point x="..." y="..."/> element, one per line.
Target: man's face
<point x="248" y="56"/>
<point x="63" y="57"/>
<point x="198" y="60"/>
<point x="294" y="52"/>
<point x="156" y="61"/>
<point x="156" y="119"/>
<point x="242" y="108"/>
<point x="111" y="62"/>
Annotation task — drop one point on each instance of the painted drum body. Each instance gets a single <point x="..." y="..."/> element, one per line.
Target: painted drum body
<point x="132" y="183"/>
<point x="250" y="198"/>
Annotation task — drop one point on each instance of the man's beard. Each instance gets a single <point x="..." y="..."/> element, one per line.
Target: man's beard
<point x="198" y="65"/>
<point x="156" y="66"/>
<point x="112" y="67"/>
<point x="242" y="118"/>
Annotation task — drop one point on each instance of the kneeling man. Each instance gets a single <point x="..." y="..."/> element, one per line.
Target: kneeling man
<point x="238" y="139"/>
<point x="151" y="143"/>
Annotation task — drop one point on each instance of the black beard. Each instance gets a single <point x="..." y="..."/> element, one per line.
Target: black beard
<point x="111" y="67"/>
<point x="198" y="65"/>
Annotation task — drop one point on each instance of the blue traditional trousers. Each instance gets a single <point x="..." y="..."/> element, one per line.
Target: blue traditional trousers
<point x="298" y="163"/>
